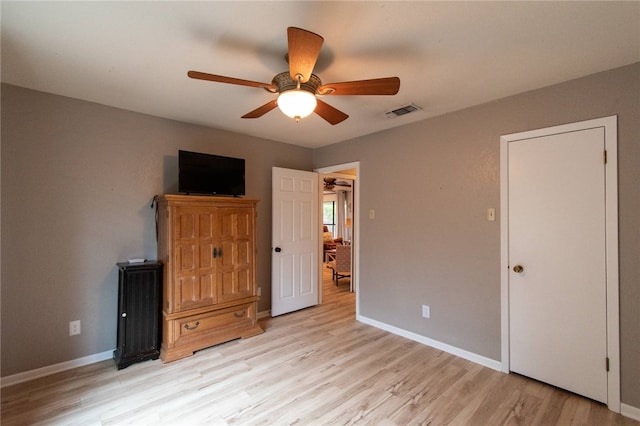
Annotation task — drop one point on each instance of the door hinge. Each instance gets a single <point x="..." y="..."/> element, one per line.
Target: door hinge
<point x="607" y="363"/>
<point x="604" y="157"/>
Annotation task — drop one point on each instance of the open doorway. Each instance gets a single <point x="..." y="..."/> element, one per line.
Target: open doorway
<point x="340" y="198"/>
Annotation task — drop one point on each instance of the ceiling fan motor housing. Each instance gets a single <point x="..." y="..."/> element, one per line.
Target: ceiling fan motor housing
<point x="284" y="82"/>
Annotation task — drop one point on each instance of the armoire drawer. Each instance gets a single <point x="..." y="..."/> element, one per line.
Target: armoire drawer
<point x="219" y="322"/>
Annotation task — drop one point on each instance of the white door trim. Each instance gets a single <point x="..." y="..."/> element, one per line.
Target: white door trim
<point x="611" y="207"/>
<point x="355" y="241"/>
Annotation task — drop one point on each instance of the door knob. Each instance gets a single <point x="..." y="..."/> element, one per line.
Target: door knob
<point x="278" y="249"/>
<point x="518" y="269"/>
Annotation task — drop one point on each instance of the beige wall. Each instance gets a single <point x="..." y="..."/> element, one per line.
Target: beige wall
<point x="77" y="182"/>
<point x="431" y="183"/>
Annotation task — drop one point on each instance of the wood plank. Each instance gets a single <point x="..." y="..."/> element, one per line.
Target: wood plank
<point x="316" y="366"/>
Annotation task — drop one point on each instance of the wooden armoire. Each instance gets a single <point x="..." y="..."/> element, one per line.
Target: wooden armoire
<point x="208" y="247"/>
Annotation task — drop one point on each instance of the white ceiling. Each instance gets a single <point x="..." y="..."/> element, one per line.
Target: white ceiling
<point x="448" y="55"/>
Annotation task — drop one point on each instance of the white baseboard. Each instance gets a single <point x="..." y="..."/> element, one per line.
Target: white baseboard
<point x="52" y="369"/>
<point x="630" y="411"/>
<point x="264" y="314"/>
<point x="470" y="356"/>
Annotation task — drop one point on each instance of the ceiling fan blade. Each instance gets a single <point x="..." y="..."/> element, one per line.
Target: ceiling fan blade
<point x="260" y="111"/>
<point x="329" y="113"/>
<point x="230" y="80"/>
<point x="304" y="48"/>
<point x="376" y="86"/>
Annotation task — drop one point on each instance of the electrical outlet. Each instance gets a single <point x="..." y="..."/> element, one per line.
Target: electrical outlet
<point x="259" y="291"/>
<point x="426" y="311"/>
<point x="74" y="328"/>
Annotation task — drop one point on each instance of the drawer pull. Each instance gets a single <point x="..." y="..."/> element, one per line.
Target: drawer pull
<point x="239" y="314"/>
<point x="186" y="326"/>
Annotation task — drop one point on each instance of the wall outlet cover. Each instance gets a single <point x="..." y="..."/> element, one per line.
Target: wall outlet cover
<point x="426" y="311"/>
<point x="74" y="328"/>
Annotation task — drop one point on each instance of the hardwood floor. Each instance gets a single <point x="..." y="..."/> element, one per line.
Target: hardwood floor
<point x="313" y="367"/>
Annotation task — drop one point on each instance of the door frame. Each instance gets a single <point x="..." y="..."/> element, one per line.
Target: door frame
<point x="611" y="228"/>
<point x="355" y="239"/>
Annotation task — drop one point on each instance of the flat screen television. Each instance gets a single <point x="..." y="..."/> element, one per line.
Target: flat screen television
<point x="210" y="174"/>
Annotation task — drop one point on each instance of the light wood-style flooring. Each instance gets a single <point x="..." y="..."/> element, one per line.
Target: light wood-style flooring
<point x="313" y="367"/>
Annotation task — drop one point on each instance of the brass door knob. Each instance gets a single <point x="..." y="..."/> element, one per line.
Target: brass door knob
<point x="518" y="269"/>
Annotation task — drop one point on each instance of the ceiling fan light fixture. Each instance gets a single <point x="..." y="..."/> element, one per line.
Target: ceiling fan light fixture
<point x="297" y="103"/>
<point x="298" y="86"/>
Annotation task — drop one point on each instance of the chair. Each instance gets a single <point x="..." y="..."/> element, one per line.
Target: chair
<point x="327" y="239"/>
<point x="329" y="243"/>
<point x="341" y="264"/>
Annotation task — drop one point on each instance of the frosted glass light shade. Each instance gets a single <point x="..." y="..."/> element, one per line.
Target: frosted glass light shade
<point x="297" y="103"/>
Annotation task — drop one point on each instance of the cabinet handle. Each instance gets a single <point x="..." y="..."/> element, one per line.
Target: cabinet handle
<point x="215" y="252"/>
<point x="124" y="315"/>
<point x="239" y="314"/>
<point x="186" y="326"/>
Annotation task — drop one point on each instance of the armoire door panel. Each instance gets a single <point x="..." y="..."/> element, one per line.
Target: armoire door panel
<point x="229" y="253"/>
<point x="185" y="225"/>
<point x="244" y="254"/>
<point x="235" y="223"/>
<point x="195" y="291"/>
<point x="185" y="258"/>
<point x="236" y="254"/>
<point x="243" y="225"/>
<point x="184" y="289"/>
<point x="205" y="225"/>
<point x="205" y="255"/>
<point x="226" y="286"/>
<point x="234" y="285"/>
<point x="226" y="223"/>
<point x="245" y="280"/>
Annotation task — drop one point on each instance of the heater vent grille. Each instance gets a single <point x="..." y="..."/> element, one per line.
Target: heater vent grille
<point x="407" y="109"/>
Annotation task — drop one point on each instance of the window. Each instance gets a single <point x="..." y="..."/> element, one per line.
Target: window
<point x="329" y="216"/>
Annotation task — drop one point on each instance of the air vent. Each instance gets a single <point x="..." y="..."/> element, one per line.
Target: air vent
<point x="402" y="110"/>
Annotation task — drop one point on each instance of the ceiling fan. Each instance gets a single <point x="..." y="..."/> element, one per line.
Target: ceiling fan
<point x="298" y="89"/>
<point x="331" y="182"/>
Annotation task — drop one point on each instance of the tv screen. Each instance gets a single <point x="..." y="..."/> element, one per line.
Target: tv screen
<point x="210" y="174"/>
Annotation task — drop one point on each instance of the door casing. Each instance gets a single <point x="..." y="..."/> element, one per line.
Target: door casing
<point x="355" y="240"/>
<point x="611" y="206"/>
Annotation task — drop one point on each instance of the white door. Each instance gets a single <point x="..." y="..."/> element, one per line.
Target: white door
<point x="295" y="246"/>
<point x="557" y="260"/>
